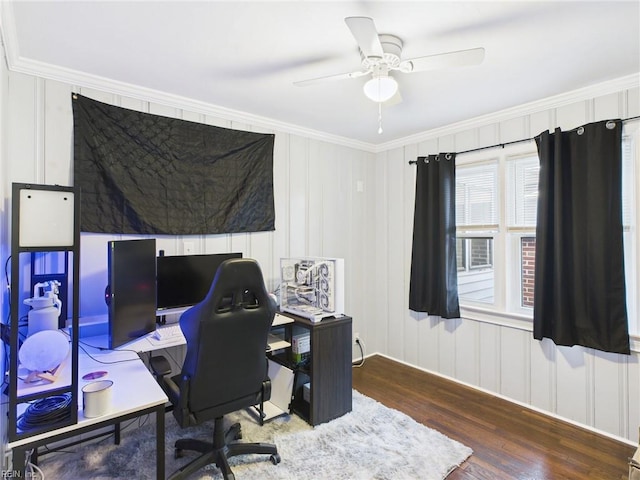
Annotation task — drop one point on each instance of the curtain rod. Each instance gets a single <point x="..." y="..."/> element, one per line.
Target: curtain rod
<point x="502" y="145"/>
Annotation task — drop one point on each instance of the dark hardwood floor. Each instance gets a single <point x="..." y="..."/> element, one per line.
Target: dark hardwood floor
<point x="508" y="441"/>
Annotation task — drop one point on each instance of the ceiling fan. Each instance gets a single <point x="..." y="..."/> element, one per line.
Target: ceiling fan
<point x="381" y="54"/>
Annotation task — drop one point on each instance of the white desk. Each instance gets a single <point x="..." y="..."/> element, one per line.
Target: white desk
<point x="281" y="377"/>
<point x="143" y="344"/>
<point x="135" y="393"/>
<point x="148" y="343"/>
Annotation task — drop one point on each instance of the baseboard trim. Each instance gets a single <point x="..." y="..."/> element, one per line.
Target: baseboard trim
<point x="511" y="400"/>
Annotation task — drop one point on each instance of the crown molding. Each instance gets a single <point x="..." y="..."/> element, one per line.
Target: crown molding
<point x="84" y="80"/>
<point x="16" y="63"/>
<point x="582" y="94"/>
<point x="81" y="79"/>
<point x="8" y="32"/>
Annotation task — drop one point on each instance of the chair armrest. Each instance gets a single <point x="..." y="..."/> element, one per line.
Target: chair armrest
<point x="177" y="389"/>
<point x="266" y="390"/>
<point x="160" y="366"/>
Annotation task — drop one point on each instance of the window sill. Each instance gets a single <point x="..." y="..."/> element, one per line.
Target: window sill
<point x="513" y="320"/>
<point x="485" y="315"/>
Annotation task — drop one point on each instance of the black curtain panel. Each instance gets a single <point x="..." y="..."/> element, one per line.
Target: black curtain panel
<point x="434" y="276"/>
<point x="579" y="270"/>
<point x="148" y="174"/>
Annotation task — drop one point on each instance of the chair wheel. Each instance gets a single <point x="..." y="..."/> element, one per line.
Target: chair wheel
<point x="178" y="453"/>
<point x="275" y="458"/>
<point x="236" y="430"/>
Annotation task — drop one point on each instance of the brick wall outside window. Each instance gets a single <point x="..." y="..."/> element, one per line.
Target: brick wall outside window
<point x="481" y="252"/>
<point x="528" y="246"/>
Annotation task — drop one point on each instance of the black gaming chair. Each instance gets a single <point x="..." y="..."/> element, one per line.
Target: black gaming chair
<point x="225" y="368"/>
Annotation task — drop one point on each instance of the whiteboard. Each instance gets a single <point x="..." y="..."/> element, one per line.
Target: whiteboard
<point x="46" y="218"/>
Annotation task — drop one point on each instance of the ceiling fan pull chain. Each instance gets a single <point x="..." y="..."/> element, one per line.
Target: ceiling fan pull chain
<point x="379" y="118"/>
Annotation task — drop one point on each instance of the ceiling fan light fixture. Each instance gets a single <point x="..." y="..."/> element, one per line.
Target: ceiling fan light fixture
<point x="380" y="88"/>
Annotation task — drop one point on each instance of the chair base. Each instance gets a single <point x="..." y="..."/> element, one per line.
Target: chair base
<point x="224" y="446"/>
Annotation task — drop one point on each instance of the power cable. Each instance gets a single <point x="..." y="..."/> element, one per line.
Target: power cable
<point x="360" y="362"/>
<point x="45" y="411"/>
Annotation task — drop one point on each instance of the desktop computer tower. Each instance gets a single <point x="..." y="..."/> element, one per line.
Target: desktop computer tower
<point x="312" y="287"/>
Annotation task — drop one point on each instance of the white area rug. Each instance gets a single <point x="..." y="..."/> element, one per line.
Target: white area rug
<point x="371" y="442"/>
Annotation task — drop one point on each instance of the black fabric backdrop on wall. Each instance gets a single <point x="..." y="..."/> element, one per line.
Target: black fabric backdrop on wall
<point x="147" y="174"/>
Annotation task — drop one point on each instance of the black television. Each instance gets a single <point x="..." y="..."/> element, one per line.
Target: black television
<point x="184" y="280"/>
<point x="131" y="289"/>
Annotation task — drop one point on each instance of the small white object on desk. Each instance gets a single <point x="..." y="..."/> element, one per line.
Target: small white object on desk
<point x="96" y="398"/>
<point x="44" y="350"/>
<point x="280" y="319"/>
<point x="275" y="343"/>
<point x="309" y="312"/>
<point x="170" y="333"/>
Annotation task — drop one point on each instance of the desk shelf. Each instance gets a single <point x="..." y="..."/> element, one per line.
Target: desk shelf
<point x="45" y="228"/>
<point x="277" y="342"/>
<point x="327" y="369"/>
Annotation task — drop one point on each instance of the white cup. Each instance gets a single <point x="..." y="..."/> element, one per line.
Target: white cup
<point x="96" y="397"/>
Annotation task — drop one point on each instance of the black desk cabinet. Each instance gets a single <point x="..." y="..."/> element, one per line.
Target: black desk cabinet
<point x="327" y="370"/>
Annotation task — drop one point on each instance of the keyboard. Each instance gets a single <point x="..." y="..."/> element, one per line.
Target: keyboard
<point x="167" y="333"/>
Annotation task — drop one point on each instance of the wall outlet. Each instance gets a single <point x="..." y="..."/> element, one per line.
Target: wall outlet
<point x="356" y="337"/>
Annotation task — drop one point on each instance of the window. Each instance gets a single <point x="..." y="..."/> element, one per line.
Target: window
<point x="477" y="196"/>
<point x="474" y="254"/>
<point x="522" y="185"/>
<point x="476" y="224"/>
<point x="522" y="208"/>
<point x="496" y="209"/>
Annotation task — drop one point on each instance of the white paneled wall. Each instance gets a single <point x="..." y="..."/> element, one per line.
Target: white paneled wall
<point x="336" y="200"/>
<point x="318" y="211"/>
<point x="595" y="389"/>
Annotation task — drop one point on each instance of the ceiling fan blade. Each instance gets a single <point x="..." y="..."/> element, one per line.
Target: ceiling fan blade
<point x="461" y="58"/>
<point x="330" y="78"/>
<point x="269" y="67"/>
<point x="366" y="35"/>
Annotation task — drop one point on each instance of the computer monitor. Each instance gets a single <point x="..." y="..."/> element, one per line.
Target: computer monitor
<point x="184" y="280"/>
<point x="131" y="291"/>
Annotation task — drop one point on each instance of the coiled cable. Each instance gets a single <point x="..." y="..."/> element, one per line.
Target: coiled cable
<point x="46" y="411"/>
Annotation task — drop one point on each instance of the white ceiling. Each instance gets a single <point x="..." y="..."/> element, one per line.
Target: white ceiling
<point x="245" y="56"/>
